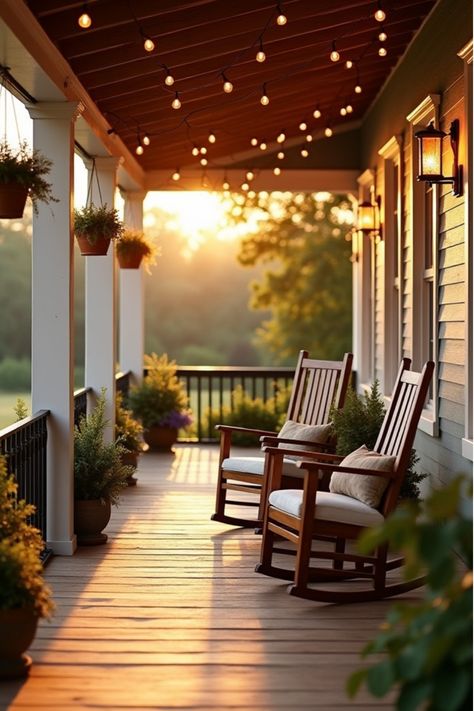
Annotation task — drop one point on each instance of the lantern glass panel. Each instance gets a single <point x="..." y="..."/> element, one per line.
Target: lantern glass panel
<point x="431" y="156"/>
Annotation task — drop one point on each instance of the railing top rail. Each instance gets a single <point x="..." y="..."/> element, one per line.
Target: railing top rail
<point x="22" y="424"/>
<point x="234" y="370"/>
<point x="82" y="391"/>
<point x="122" y="374"/>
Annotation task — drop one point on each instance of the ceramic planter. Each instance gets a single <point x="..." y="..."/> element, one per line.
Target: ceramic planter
<point x="17" y="631"/>
<point x="160" y="438"/>
<point x="129" y="261"/>
<point x="12" y="200"/>
<point x="98" y="249"/>
<point x="90" y="518"/>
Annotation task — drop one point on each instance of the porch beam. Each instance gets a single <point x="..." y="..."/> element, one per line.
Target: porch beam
<point x="53" y="316"/>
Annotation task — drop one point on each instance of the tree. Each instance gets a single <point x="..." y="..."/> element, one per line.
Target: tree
<point x="307" y="283"/>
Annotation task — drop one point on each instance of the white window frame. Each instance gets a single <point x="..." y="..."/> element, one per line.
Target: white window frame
<point x="420" y="117"/>
<point x="466" y="147"/>
<point x="366" y="296"/>
<point x="391" y="154"/>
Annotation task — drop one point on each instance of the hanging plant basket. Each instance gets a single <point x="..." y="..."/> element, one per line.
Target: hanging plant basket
<point x="12" y="200"/>
<point x="129" y="261"/>
<point x="98" y="249"/>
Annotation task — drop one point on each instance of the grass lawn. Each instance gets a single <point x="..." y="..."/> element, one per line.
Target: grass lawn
<point x="7" y="403"/>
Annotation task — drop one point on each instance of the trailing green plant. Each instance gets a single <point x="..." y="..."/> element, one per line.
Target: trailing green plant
<point x="98" y="469"/>
<point x="427" y="646"/>
<point x="95" y="222"/>
<point x="160" y="399"/>
<point x="20" y="409"/>
<point x="359" y="423"/>
<point x="134" y="242"/>
<point x="26" y="168"/>
<point x="21" y="579"/>
<point x="128" y="430"/>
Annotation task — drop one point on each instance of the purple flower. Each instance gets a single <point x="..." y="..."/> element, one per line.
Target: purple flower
<point x="177" y="420"/>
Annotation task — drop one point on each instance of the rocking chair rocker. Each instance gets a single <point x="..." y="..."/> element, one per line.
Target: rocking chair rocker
<point x="317" y="387"/>
<point x="350" y="506"/>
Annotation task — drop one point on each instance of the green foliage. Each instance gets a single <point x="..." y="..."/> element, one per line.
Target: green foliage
<point x="98" y="469"/>
<point x="160" y="397"/>
<point x="94" y="222"/>
<point x="428" y="646"/>
<point x="21" y="409"/>
<point x="15" y="374"/>
<point x="127" y="430"/>
<point x="21" y="581"/>
<point x="26" y="168"/>
<point x="135" y="242"/>
<point x="307" y="285"/>
<point x="249" y="412"/>
<point x="359" y="423"/>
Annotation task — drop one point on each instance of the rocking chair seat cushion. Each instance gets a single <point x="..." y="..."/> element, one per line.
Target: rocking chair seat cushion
<point x="368" y="489"/>
<point x="255" y="465"/>
<point x="329" y="507"/>
<point x="313" y="434"/>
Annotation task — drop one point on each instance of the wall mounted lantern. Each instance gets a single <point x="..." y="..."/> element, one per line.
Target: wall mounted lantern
<point x="368" y="218"/>
<point x="430" y="156"/>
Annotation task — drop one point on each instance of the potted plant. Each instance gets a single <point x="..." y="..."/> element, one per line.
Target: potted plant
<point x="24" y="596"/>
<point x="133" y="248"/>
<point x="22" y="174"/>
<point x="129" y="433"/>
<point x="160" y="403"/>
<point x="94" y="227"/>
<point x="99" y="476"/>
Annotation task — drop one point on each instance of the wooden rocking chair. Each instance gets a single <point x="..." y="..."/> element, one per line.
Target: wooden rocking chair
<point x="302" y="516"/>
<point x="317" y="387"/>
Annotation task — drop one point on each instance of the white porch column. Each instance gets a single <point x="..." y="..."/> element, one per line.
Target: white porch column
<point x="52" y="316"/>
<point x="100" y="317"/>
<point x="132" y="298"/>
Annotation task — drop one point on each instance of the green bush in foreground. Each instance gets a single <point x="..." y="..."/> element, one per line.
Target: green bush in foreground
<point x="428" y="646"/>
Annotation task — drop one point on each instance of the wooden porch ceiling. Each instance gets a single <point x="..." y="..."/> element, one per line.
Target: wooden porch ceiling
<point x="201" y="39"/>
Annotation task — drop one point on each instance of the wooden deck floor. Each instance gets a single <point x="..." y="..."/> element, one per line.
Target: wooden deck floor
<point x="170" y="615"/>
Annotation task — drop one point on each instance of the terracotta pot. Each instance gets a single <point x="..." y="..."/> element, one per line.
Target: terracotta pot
<point x="129" y="261"/>
<point x="17" y="631"/>
<point x="99" y="249"/>
<point x="90" y="518"/>
<point x="12" y="200"/>
<point x="160" y="438"/>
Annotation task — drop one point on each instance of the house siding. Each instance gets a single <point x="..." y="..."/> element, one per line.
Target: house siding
<point x="430" y="65"/>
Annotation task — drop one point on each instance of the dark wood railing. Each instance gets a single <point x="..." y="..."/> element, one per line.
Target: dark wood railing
<point x="210" y="388"/>
<point x="24" y="445"/>
<point x="122" y="383"/>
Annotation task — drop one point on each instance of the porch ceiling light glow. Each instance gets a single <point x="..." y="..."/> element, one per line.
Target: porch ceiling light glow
<point x="212" y="137"/>
<point x="281" y="137"/>
<point x="277" y="171"/>
<point x="280" y="155"/>
<point x="195" y="151"/>
<point x="250" y="175"/>
<point x="328" y="131"/>
<point x="225" y="185"/>
<point x="203" y="162"/>
<point x="317" y="113"/>
<point x="84" y="20"/>
<point x="254" y="141"/>
<point x="176" y="175"/>
<point x="368" y="217"/>
<point x="304" y="153"/>
<point x="430" y="156"/>
<point x="303" y="126"/>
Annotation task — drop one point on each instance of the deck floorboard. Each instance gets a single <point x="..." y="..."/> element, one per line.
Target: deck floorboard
<point x="170" y="615"/>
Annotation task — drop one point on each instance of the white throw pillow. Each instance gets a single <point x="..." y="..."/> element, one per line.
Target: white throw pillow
<point x="313" y="434"/>
<point x="368" y="489"/>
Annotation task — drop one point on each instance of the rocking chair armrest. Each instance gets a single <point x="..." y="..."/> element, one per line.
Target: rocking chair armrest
<point x="320" y="466"/>
<point x="275" y="441"/>
<point x="320" y="456"/>
<point x="247" y="430"/>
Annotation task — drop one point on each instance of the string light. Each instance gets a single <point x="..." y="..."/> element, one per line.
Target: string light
<point x="382" y="35"/>
<point x="343" y="111"/>
<point x="304" y="153"/>
<point x="264" y="98"/>
<point x="281" y="18"/>
<point x="281" y="138"/>
<point x="334" y="56"/>
<point x="317" y="113"/>
<point x="382" y="52"/>
<point x="379" y="13"/>
<point x="349" y="108"/>
<point x="250" y="175"/>
<point x="195" y="151"/>
<point x="358" y="88"/>
<point x="254" y="141"/>
<point x="309" y="138"/>
<point x="212" y="137"/>
<point x="260" y="56"/>
<point x="277" y="171"/>
<point x="203" y="150"/>
<point x="176" y="175"/>
<point x="139" y="149"/>
<point x="176" y="103"/>
<point x="251" y="193"/>
<point x="245" y="187"/>
<point x="349" y="63"/>
<point x="328" y="131"/>
<point x="227" y="85"/>
<point x="225" y="185"/>
<point x="203" y="162"/>
<point x="148" y="44"/>
<point x="169" y="79"/>
<point x="280" y="155"/>
<point x="303" y="126"/>
<point x="146" y="140"/>
<point x="84" y="20"/>
<point x="263" y="146"/>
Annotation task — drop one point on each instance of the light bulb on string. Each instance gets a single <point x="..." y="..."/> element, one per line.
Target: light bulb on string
<point x="382" y="35"/>
<point x="309" y="138"/>
<point x="245" y="187"/>
<point x="212" y="137"/>
<point x="203" y="150"/>
<point x="328" y="131"/>
<point x="260" y="56"/>
<point x="358" y="88"/>
<point x="304" y="153"/>
<point x="225" y="185"/>
<point x="176" y="103"/>
<point x="281" y="137"/>
<point x="176" y="175"/>
<point x="280" y="155"/>
<point x="281" y="17"/>
<point x="139" y="149"/>
<point x="146" y="140"/>
<point x="203" y="162"/>
<point x="227" y="85"/>
<point x="334" y="56"/>
<point x="250" y="175"/>
<point x="84" y="20"/>
<point x="263" y="146"/>
<point x="276" y="171"/>
<point x="303" y="126"/>
<point x="379" y="13"/>
<point x="349" y="108"/>
<point x="148" y="44"/>
<point x="343" y="111"/>
<point x="169" y="79"/>
<point x="254" y="141"/>
<point x="382" y="52"/>
<point x="317" y="113"/>
<point x="264" y="100"/>
<point x="195" y="151"/>
<point x="251" y="193"/>
<point x="349" y="63"/>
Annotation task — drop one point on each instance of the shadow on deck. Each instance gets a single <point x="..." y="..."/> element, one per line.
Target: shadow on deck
<point x="170" y="615"/>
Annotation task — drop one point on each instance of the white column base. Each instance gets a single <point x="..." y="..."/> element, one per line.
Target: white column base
<point x="63" y="547"/>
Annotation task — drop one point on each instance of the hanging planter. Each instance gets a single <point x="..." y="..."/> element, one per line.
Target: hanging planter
<point x="133" y="248"/>
<point x="21" y="175"/>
